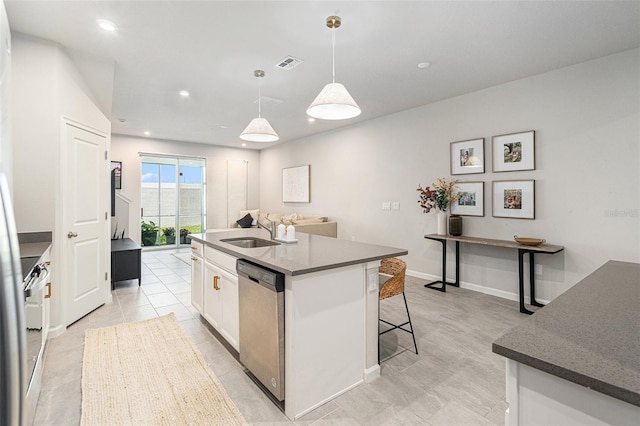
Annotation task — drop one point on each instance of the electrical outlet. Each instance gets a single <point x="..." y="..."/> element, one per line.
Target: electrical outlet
<point x="538" y="269"/>
<point x="395" y="206"/>
<point x="386" y="205"/>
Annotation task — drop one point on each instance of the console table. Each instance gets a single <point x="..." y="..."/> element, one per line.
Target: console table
<point x="126" y="261"/>
<point x="522" y="250"/>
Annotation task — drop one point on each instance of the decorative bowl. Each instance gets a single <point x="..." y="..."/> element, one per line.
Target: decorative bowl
<point x="529" y="241"/>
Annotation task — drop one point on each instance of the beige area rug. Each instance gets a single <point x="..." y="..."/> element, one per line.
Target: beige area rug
<point x="185" y="257"/>
<point x="150" y="373"/>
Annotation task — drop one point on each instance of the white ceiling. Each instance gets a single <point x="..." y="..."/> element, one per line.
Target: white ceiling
<point x="212" y="47"/>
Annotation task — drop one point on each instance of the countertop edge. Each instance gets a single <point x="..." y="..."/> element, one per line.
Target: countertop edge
<point x="558" y="326"/>
<point x="239" y="255"/>
<point x="592" y="383"/>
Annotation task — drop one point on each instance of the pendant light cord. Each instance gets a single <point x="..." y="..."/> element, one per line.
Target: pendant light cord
<point x="259" y="98"/>
<point x="333" y="54"/>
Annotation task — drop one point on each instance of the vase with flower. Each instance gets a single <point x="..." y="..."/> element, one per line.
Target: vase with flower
<point x="439" y="196"/>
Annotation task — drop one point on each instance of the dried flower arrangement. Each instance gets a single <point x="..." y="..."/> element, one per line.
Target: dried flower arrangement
<point x="440" y="196"/>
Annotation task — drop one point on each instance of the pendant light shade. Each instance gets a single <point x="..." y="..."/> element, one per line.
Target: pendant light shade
<point x="334" y="101"/>
<point x="259" y="129"/>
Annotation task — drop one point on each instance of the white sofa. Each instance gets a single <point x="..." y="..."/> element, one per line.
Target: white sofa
<point x="310" y="224"/>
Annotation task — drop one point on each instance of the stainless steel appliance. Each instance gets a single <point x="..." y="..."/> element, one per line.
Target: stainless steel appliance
<point x="262" y="324"/>
<point x="36" y="277"/>
<point x="13" y="377"/>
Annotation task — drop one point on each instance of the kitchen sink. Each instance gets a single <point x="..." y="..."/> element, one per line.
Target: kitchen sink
<point x="249" y="242"/>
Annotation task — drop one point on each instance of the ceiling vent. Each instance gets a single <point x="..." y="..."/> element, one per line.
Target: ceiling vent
<point x="289" y="63"/>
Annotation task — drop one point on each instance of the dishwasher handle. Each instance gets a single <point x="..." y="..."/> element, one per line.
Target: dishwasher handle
<point x="261" y="275"/>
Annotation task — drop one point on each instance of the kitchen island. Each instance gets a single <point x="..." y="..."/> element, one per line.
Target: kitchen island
<point x="330" y="307"/>
<point x="577" y="360"/>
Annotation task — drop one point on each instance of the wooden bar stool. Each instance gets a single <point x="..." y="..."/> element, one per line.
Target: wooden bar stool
<point x="391" y="278"/>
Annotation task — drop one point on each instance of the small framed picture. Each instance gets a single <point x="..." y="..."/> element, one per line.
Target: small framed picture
<point x="467" y="157"/>
<point x="470" y="200"/>
<point x="117" y="166"/>
<point x="513" y="152"/>
<point x="514" y="199"/>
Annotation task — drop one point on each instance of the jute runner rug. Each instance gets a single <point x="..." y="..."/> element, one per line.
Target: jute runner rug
<point x="150" y="373"/>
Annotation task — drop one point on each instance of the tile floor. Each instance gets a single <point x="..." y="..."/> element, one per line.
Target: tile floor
<point x="455" y="380"/>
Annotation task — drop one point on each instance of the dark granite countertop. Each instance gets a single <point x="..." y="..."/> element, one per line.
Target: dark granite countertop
<point x="589" y="335"/>
<point x="312" y="253"/>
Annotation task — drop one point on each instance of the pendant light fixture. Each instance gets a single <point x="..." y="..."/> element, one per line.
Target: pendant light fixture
<point x="259" y="129"/>
<point x="334" y="101"/>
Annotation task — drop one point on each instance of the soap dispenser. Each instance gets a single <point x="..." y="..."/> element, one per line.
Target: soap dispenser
<point x="291" y="232"/>
<point x="281" y="231"/>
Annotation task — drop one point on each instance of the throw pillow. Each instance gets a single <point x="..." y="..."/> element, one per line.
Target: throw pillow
<point x="245" y="222"/>
<point x="254" y="215"/>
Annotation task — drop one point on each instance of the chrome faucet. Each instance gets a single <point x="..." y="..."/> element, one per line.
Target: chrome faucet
<point x="272" y="227"/>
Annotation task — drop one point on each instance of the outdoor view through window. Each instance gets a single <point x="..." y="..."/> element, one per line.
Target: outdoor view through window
<point x="172" y="199"/>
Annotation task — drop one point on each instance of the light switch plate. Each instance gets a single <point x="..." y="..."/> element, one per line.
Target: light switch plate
<point x="395" y="205"/>
<point x="386" y="205"/>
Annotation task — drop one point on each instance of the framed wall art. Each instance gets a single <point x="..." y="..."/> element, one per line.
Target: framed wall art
<point x="467" y="157"/>
<point x="470" y="200"/>
<point x="295" y="184"/>
<point x="117" y="166"/>
<point x="514" y="199"/>
<point x="513" y="152"/>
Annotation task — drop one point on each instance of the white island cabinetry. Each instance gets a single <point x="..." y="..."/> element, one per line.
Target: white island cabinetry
<point x="330" y="308"/>
<point x="214" y="290"/>
<point x="197" y="275"/>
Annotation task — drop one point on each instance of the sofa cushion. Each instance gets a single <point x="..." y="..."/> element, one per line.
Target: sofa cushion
<point x="245" y="222"/>
<point x="289" y="219"/>
<point x="306" y="221"/>
<point x="273" y="217"/>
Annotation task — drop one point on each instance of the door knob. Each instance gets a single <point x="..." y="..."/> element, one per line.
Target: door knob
<point x="72" y="235"/>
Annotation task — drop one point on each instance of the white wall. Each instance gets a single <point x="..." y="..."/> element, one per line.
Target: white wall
<point x="586" y="119"/>
<point x="46" y="86"/>
<point x="6" y="150"/>
<point x="127" y="149"/>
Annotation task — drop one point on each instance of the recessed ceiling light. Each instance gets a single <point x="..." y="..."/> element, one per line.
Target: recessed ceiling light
<point x="107" y="25"/>
<point x="222" y="126"/>
<point x="184" y="93"/>
<point x="147" y="133"/>
<point x="423" y="65"/>
<point x="311" y="119"/>
<point x="122" y="120"/>
<point x="244" y="144"/>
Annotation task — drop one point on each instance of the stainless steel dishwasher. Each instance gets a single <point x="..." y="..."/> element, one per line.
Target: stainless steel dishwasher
<point x="261" y="293"/>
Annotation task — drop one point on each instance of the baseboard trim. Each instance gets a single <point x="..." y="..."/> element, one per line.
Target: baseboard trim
<point x="479" y="288"/>
<point x="372" y="373"/>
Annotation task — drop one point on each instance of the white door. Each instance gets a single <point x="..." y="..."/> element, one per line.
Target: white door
<point x="84" y="210"/>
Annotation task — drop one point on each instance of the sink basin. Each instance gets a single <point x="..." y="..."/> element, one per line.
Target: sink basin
<point x="249" y="242"/>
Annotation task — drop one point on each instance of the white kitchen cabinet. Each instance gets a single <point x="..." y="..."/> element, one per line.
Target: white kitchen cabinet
<point x="230" y="327"/>
<point x="219" y="285"/>
<point x="197" y="276"/>
<point x="212" y="307"/>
